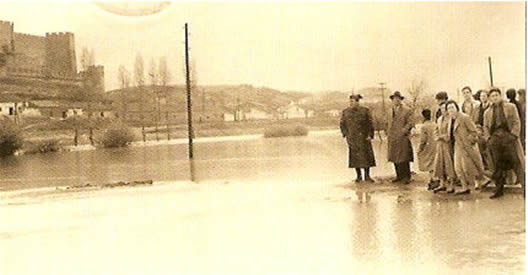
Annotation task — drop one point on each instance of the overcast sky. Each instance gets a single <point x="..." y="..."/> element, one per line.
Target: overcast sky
<point x="302" y="46"/>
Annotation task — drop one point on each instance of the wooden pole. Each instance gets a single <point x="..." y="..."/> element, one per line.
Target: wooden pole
<point x="490" y="71"/>
<point x="189" y="103"/>
<point x="167" y="124"/>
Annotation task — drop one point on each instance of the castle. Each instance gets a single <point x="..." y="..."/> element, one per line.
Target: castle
<point x="51" y="57"/>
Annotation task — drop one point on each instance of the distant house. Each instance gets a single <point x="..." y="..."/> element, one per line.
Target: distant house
<point x="333" y="113"/>
<point x="249" y="111"/>
<point x="293" y="110"/>
<point x="53" y="109"/>
<point x="99" y="109"/>
<point x="10" y="109"/>
<point x="256" y="113"/>
<point x="228" y="116"/>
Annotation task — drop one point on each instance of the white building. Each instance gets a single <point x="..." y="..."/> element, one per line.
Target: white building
<point x="295" y="111"/>
<point x="333" y="113"/>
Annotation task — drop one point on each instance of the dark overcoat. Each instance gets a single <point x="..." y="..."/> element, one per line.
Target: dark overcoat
<point x="400" y="123"/>
<point x="514" y="125"/>
<point x="356" y="125"/>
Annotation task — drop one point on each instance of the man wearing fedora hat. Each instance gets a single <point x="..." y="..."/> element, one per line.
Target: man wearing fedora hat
<point x="400" y="151"/>
<point x="357" y="127"/>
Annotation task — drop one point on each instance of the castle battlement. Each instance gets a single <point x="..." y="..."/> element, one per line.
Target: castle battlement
<point x="27" y="35"/>
<point x="49" y="57"/>
<point x="6" y="23"/>
<point x="59" y="34"/>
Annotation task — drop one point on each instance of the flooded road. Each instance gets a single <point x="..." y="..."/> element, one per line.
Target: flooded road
<point x="288" y="207"/>
<point x="261" y="228"/>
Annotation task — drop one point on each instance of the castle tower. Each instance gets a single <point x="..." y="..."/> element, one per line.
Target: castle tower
<point x="6" y="35"/>
<point x="60" y="58"/>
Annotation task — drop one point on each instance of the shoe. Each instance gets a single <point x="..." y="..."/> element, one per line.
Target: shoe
<point x="482" y="186"/>
<point x="431" y="185"/>
<point x="497" y="195"/>
<point x="357" y="180"/>
<point x="395" y="180"/>
<point x="369" y="179"/>
<point x="465" y="192"/>
<point x="442" y="188"/>
<point x="451" y="191"/>
<point x="406" y="181"/>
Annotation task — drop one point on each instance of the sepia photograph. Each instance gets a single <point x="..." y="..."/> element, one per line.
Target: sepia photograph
<point x="256" y="137"/>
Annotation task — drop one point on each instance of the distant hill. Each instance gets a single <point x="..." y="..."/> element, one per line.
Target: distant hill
<point x="214" y="98"/>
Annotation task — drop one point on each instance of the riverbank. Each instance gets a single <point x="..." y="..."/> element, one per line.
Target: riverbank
<point x="171" y="132"/>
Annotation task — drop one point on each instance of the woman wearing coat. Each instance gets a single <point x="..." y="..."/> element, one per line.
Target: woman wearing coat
<point x="427" y="147"/>
<point x="357" y="127"/>
<point x="444" y="168"/>
<point x="468" y="162"/>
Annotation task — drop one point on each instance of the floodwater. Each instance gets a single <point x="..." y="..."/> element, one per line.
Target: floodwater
<point x="318" y="156"/>
<point x="280" y="206"/>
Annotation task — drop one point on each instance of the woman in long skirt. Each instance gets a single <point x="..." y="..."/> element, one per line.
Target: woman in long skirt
<point x="444" y="168"/>
<point x="468" y="162"/>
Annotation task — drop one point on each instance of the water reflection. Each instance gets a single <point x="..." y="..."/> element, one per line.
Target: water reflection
<point x="192" y="171"/>
<point x="363" y="196"/>
<point x="365" y="229"/>
<point x="403" y="228"/>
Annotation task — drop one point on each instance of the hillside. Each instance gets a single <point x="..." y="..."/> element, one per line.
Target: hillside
<point x="25" y="89"/>
<point x="209" y="98"/>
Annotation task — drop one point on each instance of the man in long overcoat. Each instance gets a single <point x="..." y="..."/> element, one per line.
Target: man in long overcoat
<point x="400" y="151"/>
<point x="502" y="129"/>
<point x="357" y="127"/>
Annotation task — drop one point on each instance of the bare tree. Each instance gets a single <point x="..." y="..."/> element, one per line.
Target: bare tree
<point x="153" y="74"/>
<point x="163" y="71"/>
<point x="139" y="71"/>
<point x="123" y="76"/>
<point x="416" y="92"/>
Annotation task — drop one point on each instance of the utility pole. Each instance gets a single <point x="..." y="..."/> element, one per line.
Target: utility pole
<point x="383" y="112"/>
<point x="189" y="103"/>
<point x="203" y="103"/>
<point x="490" y="71"/>
<point x="157" y="117"/>
<point x="382" y="84"/>
<point x="167" y="123"/>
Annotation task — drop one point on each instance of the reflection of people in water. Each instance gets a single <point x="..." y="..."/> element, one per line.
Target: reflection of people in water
<point x="357" y="127"/>
<point x="363" y="196"/>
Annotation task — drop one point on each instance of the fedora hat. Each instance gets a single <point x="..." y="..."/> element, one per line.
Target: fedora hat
<point x="355" y="96"/>
<point x="396" y="94"/>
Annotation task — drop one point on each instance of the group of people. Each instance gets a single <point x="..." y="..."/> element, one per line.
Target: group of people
<point x="461" y="146"/>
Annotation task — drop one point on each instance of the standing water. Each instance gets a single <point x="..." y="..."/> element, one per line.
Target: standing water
<point x="262" y="206"/>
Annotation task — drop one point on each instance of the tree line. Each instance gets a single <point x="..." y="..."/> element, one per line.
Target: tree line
<point x="158" y="73"/>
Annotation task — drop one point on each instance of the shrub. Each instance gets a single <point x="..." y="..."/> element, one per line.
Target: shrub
<point x="285" y="131"/>
<point x="44" y="146"/>
<point x="10" y="138"/>
<point x="117" y="136"/>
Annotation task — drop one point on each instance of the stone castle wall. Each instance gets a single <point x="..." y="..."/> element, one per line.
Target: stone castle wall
<point x="50" y="57"/>
<point x="6" y="34"/>
<point x="60" y="55"/>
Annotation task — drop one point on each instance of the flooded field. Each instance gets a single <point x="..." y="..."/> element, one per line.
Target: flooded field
<point x="263" y="206"/>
